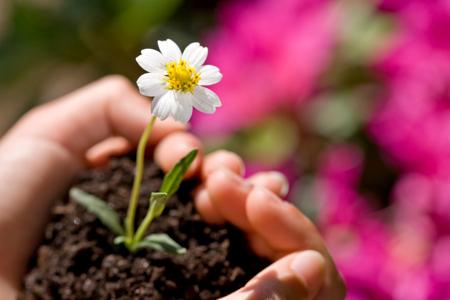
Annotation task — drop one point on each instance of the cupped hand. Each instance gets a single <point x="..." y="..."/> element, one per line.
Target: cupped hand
<point x="41" y="154"/>
<point x="302" y="268"/>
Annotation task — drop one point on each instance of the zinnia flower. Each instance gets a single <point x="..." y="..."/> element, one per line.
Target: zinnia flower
<point x="175" y="80"/>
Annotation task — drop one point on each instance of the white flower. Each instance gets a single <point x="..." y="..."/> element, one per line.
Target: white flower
<point x="175" y="80"/>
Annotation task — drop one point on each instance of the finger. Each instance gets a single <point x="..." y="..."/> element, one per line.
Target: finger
<point x="100" y="154"/>
<point x="214" y="161"/>
<point x="106" y="108"/>
<point x="298" y="276"/>
<point x="288" y="230"/>
<point x="7" y="289"/>
<point x="205" y="208"/>
<point x="261" y="247"/>
<point x="222" y="159"/>
<point x="174" y="147"/>
<point x="273" y="181"/>
<point x="228" y="193"/>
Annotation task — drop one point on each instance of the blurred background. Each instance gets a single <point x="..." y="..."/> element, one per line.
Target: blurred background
<point x="349" y="99"/>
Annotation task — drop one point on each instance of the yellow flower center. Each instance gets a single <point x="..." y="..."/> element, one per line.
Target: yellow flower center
<point x="181" y="76"/>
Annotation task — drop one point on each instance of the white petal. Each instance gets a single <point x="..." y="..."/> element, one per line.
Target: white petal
<point x="170" y="50"/>
<point x="164" y="106"/>
<point x="151" y="60"/>
<point x="184" y="98"/>
<point x="189" y="50"/>
<point x="198" y="57"/>
<point x="184" y="107"/>
<point x="184" y="115"/>
<point x="205" y="100"/>
<point x="152" y="84"/>
<point x="209" y="75"/>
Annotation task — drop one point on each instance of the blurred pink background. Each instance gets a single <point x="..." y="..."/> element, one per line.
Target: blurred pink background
<point x="350" y="99"/>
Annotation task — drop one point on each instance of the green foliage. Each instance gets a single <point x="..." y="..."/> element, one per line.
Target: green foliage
<point x="139" y="15"/>
<point x="173" y="179"/>
<point x="158" y="203"/>
<point x="161" y="242"/>
<point x="335" y="116"/>
<point x="120" y="239"/>
<point x="98" y="207"/>
<point x="364" y="31"/>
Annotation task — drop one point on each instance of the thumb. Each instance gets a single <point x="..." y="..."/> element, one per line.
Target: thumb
<point x="297" y="276"/>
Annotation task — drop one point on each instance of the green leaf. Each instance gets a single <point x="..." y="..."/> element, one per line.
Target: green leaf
<point x="98" y="207"/>
<point x="173" y="179"/>
<point x="161" y="242"/>
<point x="158" y="203"/>
<point x="120" y="240"/>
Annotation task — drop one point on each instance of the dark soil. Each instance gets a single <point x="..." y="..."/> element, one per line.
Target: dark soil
<point x="78" y="260"/>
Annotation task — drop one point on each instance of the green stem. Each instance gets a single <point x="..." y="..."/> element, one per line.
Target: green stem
<point x="144" y="225"/>
<point x="140" y="156"/>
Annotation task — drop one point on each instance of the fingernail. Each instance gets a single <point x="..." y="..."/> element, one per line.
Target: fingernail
<point x="233" y="177"/>
<point x="309" y="267"/>
<point x="282" y="180"/>
<point x="267" y="195"/>
<point x="232" y="159"/>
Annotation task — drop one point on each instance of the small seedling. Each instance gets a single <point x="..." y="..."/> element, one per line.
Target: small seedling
<point x="176" y="82"/>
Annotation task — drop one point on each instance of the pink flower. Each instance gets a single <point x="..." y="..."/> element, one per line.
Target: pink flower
<point x="440" y="262"/>
<point x="380" y="259"/>
<point x="417" y="195"/>
<point x="430" y="20"/>
<point x="413" y="120"/>
<point x="271" y="53"/>
<point x="413" y="125"/>
<point x="335" y="190"/>
<point x="356" y="239"/>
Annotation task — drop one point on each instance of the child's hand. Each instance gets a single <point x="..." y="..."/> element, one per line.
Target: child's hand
<point x="302" y="268"/>
<point x="40" y="155"/>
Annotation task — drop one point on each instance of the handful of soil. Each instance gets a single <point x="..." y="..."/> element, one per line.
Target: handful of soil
<point x="77" y="258"/>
